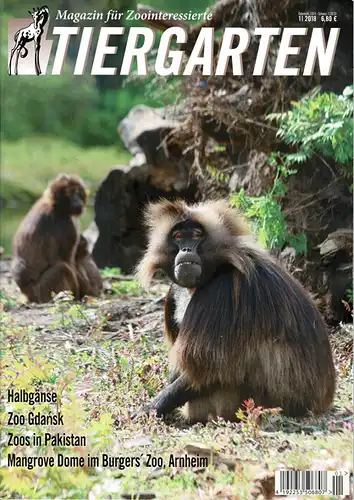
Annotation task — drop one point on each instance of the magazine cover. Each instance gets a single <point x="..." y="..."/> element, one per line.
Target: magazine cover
<point x="176" y="252"/>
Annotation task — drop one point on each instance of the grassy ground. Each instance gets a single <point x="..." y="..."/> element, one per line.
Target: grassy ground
<point x="106" y="358"/>
<point x="28" y="164"/>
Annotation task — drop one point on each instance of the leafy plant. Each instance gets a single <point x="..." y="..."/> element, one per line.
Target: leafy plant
<point x="74" y="316"/>
<point x="7" y="302"/>
<point x="319" y="123"/>
<point x="266" y="212"/>
<point x="251" y="416"/>
<point x="219" y="176"/>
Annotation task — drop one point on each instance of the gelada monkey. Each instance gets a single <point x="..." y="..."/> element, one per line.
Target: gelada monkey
<point x="49" y="255"/>
<point x="238" y="325"/>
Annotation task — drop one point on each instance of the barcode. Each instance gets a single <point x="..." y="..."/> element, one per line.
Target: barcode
<point x="310" y="482"/>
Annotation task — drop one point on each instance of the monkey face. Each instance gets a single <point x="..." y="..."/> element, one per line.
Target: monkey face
<point x="68" y="195"/>
<point x="185" y="244"/>
<point x="76" y="204"/>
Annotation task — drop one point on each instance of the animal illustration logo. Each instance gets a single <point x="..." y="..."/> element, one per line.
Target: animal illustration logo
<point x="31" y="33"/>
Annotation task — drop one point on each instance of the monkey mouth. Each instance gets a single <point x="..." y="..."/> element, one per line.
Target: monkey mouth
<point x="187" y="273"/>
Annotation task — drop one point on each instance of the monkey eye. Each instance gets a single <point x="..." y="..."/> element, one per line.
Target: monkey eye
<point x="177" y="235"/>
<point x="197" y="233"/>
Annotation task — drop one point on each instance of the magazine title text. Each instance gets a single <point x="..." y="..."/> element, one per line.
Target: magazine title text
<point x="168" y="61"/>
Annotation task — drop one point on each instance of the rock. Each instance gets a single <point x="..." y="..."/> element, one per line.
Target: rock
<point x="339" y="240"/>
<point x="143" y="129"/>
<point x="119" y="207"/>
<point x="288" y="257"/>
<point x="336" y="253"/>
<point x="154" y="172"/>
<point x="253" y="174"/>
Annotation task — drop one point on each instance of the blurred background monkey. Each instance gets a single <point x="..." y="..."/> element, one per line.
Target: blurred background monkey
<point x="238" y="325"/>
<point x="49" y="254"/>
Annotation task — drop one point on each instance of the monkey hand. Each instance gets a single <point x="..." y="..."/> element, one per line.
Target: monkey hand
<point x="172" y="396"/>
<point x="145" y="410"/>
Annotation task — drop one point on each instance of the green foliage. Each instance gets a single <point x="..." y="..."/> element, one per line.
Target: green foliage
<point x="123" y="286"/>
<point x="110" y="271"/>
<point x="56" y="106"/>
<point x="218" y="175"/>
<point x="266" y="214"/>
<point x="74" y="316"/>
<point x="71" y="107"/>
<point x="319" y="123"/>
<point x="7" y="302"/>
<point x="20" y="371"/>
<point x="126" y="287"/>
<point x="59" y="106"/>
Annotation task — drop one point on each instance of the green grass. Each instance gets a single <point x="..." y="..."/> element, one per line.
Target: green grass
<point x="28" y="165"/>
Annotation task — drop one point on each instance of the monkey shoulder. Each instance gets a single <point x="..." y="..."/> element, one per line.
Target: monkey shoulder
<point x="47" y="225"/>
<point x="280" y="303"/>
<point x="31" y="230"/>
<point x="43" y="235"/>
<point x="38" y="219"/>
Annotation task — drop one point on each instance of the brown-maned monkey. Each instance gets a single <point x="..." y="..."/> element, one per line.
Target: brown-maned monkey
<point x="237" y="323"/>
<point x="45" y="245"/>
